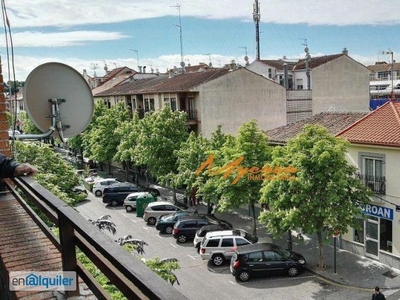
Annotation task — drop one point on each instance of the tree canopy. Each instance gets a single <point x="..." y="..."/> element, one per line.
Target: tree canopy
<point x="315" y="188"/>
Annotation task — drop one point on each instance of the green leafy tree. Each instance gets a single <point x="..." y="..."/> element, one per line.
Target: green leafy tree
<point x="54" y="173"/>
<point x="129" y="130"/>
<point x="27" y="125"/>
<point x="192" y="153"/>
<point x="314" y="189"/>
<point x="104" y="138"/>
<point x="161" y="133"/>
<point x="242" y="157"/>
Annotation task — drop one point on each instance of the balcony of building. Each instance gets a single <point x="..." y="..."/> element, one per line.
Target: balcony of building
<point x="28" y="244"/>
<point x="376" y="184"/>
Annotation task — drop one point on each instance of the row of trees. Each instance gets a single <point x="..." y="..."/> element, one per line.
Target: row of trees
<point x="305" y="184"/>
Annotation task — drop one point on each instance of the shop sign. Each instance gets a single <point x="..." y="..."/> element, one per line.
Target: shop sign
<point x="378" y="211"/>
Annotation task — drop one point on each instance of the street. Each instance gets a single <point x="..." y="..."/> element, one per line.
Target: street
<point x="199" y="279"/>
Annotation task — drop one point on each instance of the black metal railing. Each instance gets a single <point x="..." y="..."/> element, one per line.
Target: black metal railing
<point x="133" y="278"/>
<point x="376" y="184"/>
<point x="191" y="114"/>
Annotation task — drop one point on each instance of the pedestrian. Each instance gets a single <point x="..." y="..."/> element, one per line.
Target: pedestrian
<point x="210" y="208"/>
<point x="11" y="168"/>
<point x="377" y="295"/>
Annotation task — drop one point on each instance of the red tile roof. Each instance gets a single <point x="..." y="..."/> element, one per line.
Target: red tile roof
<point x="333" y="121"/>
<point x="380" y="127"/>
<point x="278" y="64"/>
<point x="383" y="66"/>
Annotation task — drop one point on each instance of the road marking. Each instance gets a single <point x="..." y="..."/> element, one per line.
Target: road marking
<point x="191" y="256"/>
<point x="158" y="236"/>
<point x="173" y="245"/>
<point x="234" y="283"/>
<point x="145" y="228"/>
<point x="133" y="220"/>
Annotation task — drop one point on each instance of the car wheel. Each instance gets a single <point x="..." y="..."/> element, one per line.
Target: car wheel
<point x="168" y="229"/>
<point x="128" y="208"/>
<point x="293" y="271"/>
<point x="243" y="276"/>
<point x="151" y="221"/>
<point x="182" y="238"/>
<point x="218" y="260"/>
<point x="114" y="203"/>
<point x="98" y="193"/>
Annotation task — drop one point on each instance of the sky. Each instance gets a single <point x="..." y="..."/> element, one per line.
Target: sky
<point x="90" y="34"/>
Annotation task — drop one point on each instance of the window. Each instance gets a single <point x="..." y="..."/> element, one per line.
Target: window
<point x="383" y="75"/>
<point x="373" y="172"/>
<point x="359" y="233"/>
<point x="146" y="105"/>
<point x="269" y="73"/>
<point x="170" y="207"/>
<point x="269" y="255"/>
<point x="173" y="104"/>
<point x="213" y="243"/>
<point x="255" y="257"/>
<point x="158" y="207"/>
<point x="190" y="224"/>
<point x="152" y="107"/>
<point x="241" y="242"/>
<point x="228" y="242"/>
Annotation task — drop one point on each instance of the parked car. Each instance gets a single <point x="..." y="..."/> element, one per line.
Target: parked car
<point x="101" y="184"/>
<point x="206" y="229"/>
<point x="219" y="246"/>
<point x="130" y="200"/>
<point x="116" y="193"/>
<point x="186" y="228"/>
<point x="165" y="223"/>
<point x="262" y="259"/>
<point x="158" y="208"/>
<point x="79" y="189"/>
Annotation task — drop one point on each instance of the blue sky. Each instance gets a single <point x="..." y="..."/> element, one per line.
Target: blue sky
<point x="89" y="34"/>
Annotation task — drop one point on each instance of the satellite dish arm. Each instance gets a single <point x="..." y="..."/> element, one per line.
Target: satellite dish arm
<point x="54" y="114"/>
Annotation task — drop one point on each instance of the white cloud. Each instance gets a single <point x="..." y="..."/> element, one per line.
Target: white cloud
<point x="61" y="39"/>
<point x="64" y="13"/>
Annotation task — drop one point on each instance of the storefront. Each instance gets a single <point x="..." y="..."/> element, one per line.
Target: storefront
<point x="376" y="236"/>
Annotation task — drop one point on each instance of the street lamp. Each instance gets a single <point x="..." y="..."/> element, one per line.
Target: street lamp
<point x="137" y="57"/>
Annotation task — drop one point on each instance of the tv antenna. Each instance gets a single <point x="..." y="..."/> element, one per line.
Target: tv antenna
<point x="94" y="66"/>
<point x="180" y="34"/>
<point x="64" y="94"/>
<point x="137" y="57"/>
<point x="246" y="58"/>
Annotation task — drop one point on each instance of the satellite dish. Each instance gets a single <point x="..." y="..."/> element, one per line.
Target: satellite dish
<point x="58" y="100"/>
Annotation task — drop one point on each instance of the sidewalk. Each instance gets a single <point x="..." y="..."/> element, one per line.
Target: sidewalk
<point x="351" y="270"/>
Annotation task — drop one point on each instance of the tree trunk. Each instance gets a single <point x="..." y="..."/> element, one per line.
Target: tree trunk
<point x="253" y="212"/>
<point x="321" y="251"/>
<point x="127" y="171"/>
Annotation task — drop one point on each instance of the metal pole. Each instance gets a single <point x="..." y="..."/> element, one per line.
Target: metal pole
<point x="334" y="255"/>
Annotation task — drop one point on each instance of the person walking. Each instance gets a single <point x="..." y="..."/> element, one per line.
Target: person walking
<point x="377" y="295"/>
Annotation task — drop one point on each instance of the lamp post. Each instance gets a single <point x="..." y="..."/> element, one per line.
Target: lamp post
<point x="391" y="72"/>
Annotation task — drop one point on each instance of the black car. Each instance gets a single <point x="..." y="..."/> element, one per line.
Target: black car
<point x="116" y="193"/>
<point x="165" y="223"/>
<point x="186" y="227"/>
<point x="263" y="259"/>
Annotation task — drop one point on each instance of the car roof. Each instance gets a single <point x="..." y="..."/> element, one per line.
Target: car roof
<point x="138" y="194"/>
<point x="160" y="203"/>
<point x="192" y="217"/>
<point x="256" y="247"/>
<point x="235" y="232"/>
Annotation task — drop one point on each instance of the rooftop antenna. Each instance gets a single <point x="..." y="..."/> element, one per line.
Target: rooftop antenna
<point x="391" y="71"/>
<point x="209" y="59"/>
<point x="105" y="65"/>
<point x="180" y="34"/>
<point x="94" y="66"/>
<point x="137" y="57"/>
<point x="246" y="58"/>
<point x="256" y="18"/>
<point x="307" y="51"/>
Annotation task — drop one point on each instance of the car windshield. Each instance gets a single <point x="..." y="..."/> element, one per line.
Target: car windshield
<point x="251" y="238"/>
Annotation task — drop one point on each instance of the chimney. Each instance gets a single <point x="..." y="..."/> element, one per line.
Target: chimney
<point x="4" y="138"/>
<point x="144" y="69"/>
<point x="140" y="69"/>
<point x="345" y="51"/>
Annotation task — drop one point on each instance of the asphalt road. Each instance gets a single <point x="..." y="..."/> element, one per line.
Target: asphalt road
<point x="199" y="279"/>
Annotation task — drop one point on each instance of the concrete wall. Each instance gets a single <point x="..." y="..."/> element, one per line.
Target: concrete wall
<point x="391" y="170"/>
<point x="262" y="69"/>
<point x="340" y="85"/>
<point x="239" y="97"/>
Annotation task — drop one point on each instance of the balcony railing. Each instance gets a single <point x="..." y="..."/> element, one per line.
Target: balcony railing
<point x="376" y="184"/>
<point x="133" y="278"/>
<point x="191" y="114"/>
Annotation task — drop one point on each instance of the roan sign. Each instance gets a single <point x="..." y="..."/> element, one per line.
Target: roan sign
<point x="378" y="211"/>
